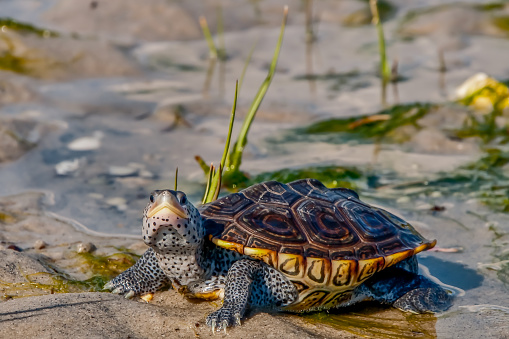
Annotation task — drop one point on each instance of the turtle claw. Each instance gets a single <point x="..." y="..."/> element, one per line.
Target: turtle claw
<point x="117" y="290"/>
<point x="213" y="326"/>
<point x="223" y="318"/>
<point x="129" y="295"/>
<point x="108" y="286"/>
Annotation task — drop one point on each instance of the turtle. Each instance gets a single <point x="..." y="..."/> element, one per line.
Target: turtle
<point x="293" y="247"/>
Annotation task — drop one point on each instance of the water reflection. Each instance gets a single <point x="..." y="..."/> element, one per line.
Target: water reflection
<point x="371" y="321"/>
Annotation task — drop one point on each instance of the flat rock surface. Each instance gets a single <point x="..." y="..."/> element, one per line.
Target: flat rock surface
<point x="103" y="315"/>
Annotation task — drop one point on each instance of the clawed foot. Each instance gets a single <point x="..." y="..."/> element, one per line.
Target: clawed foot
<point x="222" y="319"/>
<point x="121" y="285"/>
<point x="425" y="300"/>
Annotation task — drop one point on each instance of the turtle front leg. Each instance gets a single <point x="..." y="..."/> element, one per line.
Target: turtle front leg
<point x="251" y="282"/>
<point x="408" y="291"/>
<point x="143" y="277"/>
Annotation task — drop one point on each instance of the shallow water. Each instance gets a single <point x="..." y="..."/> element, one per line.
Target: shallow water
<point x="111" y="130"/>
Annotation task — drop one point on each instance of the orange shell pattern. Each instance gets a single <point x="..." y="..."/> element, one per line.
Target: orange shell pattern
<point x="326" y="241"/>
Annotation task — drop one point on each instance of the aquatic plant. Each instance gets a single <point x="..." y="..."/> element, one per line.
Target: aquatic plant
<point x="229" y="170"/>
<point x="486" y="179"/>
<point x="385" y="71"/>
<point x="381" y="126"/>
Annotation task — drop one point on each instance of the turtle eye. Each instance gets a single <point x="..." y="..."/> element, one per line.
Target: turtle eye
<point x="183" y="199"/>
<point x="152" y="198"/>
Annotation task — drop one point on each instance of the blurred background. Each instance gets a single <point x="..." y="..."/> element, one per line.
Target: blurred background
<point x="100" y="101"/>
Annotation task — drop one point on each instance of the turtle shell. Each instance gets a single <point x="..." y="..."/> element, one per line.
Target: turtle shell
<point x="324" y="240"/>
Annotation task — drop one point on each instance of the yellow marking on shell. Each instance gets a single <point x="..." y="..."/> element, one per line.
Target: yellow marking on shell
<point x="267" y="256"/>
<point x="335" y="298"/>
<point x="147" y="297"/>
<point x="292" y="265"/>
<point x="368" y="267"/>
<point x="343" y="273"/>
<point x="308" y="301"/>
<point x="395" y="258"/>
<point x="229" y="245"/>
<point x="425" y="246"/>
<point x="317" y="272"/>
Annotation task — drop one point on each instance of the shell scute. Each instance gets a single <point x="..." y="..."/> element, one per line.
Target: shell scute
<point x="226" y="208"/>
<point x="270" y="192"/>
<point x="273" y="224"/>
<point x="323" y="224"/>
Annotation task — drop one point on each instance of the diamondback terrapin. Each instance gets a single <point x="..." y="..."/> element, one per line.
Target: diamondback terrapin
<point x="292" y="247"/>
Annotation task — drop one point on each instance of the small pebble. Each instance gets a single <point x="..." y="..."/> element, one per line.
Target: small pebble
<point x="146" y="174"/>
<point x="14" y="248"/>
<point x="403" y="200"/>
<point x="436" y="194"/>
<point x="40" y="244"/>
<point x="86" y="143"/>
<point x="86" y="247"/>
<point x="117" y="202"/>
<point x="67" y="167"/>
<point x="122" y="171"/>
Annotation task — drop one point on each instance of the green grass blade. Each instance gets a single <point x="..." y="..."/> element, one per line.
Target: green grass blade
<point x="176" y="177"/>
<point x="230" y="128"/>
<point x="385" y="72"/>
<point x="208" y="37"/>
<point x="236" y="155"/>
<point x="215" y="178"/>
<point x="209" y="184"/>
<point x="202" y="164"/>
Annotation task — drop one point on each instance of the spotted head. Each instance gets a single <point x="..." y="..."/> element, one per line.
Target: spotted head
<point x="171" y="222"/>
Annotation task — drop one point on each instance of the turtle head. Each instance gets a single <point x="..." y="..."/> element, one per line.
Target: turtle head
<point x="170" y="221"/>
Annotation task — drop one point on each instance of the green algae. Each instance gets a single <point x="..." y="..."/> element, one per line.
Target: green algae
<point x="382" y="126"/>
<point x="350" y="80"/>
<point x="23" y="27"/>
<point x="106" y="266"/>
<point x="501" y="22"/>
<point x="486" y="179"/>
<point x="330" y="176"/>
<point x="7" y="218"/>
<point x="101" y="268"/>
<point x="18" y="60"/>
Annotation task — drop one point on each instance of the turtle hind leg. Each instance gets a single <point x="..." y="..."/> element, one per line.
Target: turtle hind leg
<point x="407" y="291"/>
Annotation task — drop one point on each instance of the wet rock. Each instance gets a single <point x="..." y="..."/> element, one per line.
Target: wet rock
<point x="63" y="58"/>
<point x="125" y="20"/>
<point x="168" y="316"/>
<point x="85" y="247"/>
<point x="18" y="136"/>
<point x="449" y="25"/>
<point x="14" y="89"/>
<point x="17" y="269"/>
